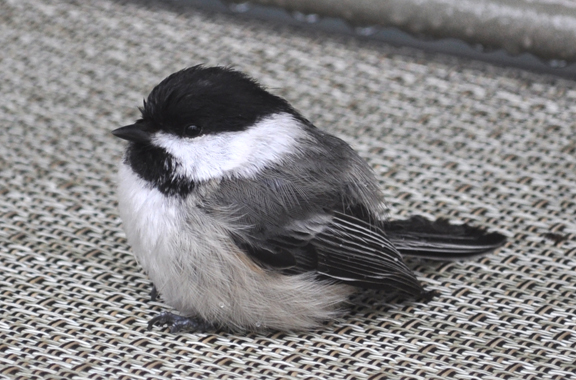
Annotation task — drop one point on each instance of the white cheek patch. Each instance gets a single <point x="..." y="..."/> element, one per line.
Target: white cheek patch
<point x="234" y="154"/>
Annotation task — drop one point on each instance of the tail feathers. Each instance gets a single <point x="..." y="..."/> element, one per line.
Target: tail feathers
<point x="440" y="240"/>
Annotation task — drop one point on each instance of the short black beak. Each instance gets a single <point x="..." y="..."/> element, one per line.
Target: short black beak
<point x="138" y="132"/>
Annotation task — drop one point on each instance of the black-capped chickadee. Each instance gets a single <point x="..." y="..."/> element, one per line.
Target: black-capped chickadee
<point x="247" y="216"/>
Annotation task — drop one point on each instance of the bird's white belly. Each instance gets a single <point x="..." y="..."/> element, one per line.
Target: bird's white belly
<point x="199" y="271"/>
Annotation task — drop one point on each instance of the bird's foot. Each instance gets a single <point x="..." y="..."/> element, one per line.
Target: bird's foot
<point x="153" y="293"/>
<point x="178" y="323"/>
<point x="429" y="295"/>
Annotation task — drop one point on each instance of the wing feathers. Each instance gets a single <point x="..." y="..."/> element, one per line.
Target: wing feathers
<point x="354" y="251"/>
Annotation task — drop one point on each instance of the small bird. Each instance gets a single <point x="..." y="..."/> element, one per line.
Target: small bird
<point x="246" y="216"/>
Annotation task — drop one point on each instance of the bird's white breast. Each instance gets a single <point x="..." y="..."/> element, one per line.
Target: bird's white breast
<point x="187" y="254"/>
<point x="151" y="219"/>
<point x="191" y="259"/>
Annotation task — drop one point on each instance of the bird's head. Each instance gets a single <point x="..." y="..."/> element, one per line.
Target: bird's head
<point x="212" y="122"/>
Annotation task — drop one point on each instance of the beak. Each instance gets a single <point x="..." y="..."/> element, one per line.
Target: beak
<point x="137" y="132"/>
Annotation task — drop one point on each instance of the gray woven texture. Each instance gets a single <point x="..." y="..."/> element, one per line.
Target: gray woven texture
<point x="446" y="137"/>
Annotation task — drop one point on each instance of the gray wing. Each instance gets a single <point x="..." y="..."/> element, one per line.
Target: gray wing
<point x="318" y="219"/>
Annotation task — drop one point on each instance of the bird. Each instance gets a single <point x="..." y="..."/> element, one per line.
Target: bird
<point x="246" y="216"/>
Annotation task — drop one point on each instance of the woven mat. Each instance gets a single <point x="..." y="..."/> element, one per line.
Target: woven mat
<point x="446" y="137"/>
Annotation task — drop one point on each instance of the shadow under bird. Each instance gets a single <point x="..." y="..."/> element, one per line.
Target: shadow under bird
<point x="246" y="216"/>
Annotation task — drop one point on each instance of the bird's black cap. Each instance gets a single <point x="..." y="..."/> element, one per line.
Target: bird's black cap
<point x="215" y="99"/>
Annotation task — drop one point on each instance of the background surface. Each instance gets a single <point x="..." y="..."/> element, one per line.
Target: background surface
<point x="447" y="138"/>
<point x="546" y="28"/>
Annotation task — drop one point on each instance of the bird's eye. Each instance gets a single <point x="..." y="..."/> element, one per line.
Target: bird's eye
<point x="192" y="130"/>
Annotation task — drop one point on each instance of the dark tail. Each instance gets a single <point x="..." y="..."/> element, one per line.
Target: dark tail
<point x="440" y="240"/>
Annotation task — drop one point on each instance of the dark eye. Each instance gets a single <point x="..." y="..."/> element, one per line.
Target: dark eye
<point x="192" y="131"/>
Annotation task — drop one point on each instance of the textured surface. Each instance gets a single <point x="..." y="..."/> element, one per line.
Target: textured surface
<point x="446" y="137"/>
